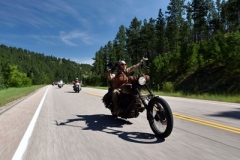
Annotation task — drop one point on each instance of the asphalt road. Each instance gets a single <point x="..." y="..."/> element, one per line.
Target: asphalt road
<point x="58" y="124"/>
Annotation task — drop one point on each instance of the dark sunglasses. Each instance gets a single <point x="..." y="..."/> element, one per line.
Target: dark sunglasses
<point x="123" y="64"/>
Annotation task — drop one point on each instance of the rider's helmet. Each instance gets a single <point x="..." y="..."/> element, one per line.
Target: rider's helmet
<point x="76" y="78"/>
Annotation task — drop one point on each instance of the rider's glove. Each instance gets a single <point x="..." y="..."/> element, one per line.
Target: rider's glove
<point x="143" y="60"/>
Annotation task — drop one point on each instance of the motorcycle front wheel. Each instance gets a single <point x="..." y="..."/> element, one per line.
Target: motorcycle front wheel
<point x="160" y="117"/>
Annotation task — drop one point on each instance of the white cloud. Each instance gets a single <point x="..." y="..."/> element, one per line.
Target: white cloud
<point x="44" y="26"/>
<point x="46" y="39"/>
<point x="74" y="37"/>
<point x="84" y="61"/>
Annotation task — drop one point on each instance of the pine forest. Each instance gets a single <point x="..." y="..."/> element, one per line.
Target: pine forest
<point x="192" y="47"/>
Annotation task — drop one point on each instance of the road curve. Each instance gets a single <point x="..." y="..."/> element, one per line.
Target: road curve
<point x="77" y="126"/>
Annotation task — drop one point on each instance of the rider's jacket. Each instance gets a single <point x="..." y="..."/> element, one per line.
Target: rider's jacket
<point x="120" y="79"/>
<point x="76" y="81"/>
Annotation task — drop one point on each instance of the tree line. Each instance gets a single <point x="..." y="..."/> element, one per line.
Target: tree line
<point x="20" y="67"/>
<point x="193" y="47"/>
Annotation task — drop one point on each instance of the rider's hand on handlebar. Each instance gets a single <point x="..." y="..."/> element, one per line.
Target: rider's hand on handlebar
<point x="144" y="59"/>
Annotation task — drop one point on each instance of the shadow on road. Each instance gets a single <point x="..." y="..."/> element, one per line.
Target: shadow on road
<point x="70" y="92"/>
<point x="106" y="123"/>
<point x="229" y="114"/>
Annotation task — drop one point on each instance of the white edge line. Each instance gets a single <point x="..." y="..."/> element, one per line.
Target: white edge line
<point x="24" y="142"/>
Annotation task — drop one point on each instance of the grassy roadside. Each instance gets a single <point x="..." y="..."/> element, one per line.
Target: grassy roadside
<point x="212" y="97"/>
<point x="11" y="94"/>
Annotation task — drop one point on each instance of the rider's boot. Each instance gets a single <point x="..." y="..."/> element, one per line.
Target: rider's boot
<point x="115" y="108"/>
<point x="115" y="103"/>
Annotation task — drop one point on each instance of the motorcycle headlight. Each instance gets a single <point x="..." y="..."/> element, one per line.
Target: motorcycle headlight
<point x="142" y="80"/>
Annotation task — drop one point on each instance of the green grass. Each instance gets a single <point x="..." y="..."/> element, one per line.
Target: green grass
<point x="11" y="94"/>
<point x="212" y="97"/>
<point x="206" y="96"/>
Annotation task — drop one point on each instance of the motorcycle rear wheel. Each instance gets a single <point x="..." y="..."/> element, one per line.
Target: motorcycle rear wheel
<point x="160" y="117"/>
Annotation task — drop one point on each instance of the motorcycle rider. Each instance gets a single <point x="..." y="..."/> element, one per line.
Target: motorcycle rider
<point x="74" y="82"/>
<point x="118" y="78"/>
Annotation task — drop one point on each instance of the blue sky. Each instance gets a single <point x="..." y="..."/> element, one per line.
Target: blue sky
<point x="71" y="29"/>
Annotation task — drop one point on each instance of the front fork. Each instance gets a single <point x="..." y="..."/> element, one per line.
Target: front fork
<point x="145" y="100"/>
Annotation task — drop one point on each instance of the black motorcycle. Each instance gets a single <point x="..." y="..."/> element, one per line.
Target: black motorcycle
<point x="132" y="102"/>
<point x="60" y="84"/>
<point x="76" y="87"/>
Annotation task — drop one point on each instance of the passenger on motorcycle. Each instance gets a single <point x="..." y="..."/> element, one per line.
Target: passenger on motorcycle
<point x="118" y="78"/>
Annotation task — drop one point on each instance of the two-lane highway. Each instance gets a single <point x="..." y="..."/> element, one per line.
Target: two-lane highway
<point x="71" y="126"/>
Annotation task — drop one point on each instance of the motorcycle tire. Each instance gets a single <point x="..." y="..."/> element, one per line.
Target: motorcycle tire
<point x="160" y="117"/>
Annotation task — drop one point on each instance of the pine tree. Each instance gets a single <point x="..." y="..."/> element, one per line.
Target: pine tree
<point x="133" y="41"/>
<point x="161" y="33"/>
<point x="120" y="45"/>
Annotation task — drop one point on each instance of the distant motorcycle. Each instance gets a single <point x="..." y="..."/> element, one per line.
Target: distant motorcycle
<point x="60" y="84"/>
<point x="77" y="87"/>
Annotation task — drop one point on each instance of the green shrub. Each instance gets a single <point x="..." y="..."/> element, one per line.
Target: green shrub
<point x="168" y="87"/>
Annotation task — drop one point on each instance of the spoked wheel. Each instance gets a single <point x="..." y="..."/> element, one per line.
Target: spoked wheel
<point x="160" y="117"/>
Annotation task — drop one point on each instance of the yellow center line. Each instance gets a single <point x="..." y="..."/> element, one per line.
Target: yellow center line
<point x="196" y="120"/>
<point x="97" y="95"/>
<point x="208" y="123"/>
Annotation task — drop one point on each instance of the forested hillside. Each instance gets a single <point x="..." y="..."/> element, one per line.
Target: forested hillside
<point x="194" y="47"/>
<point x="20" y="67"/>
